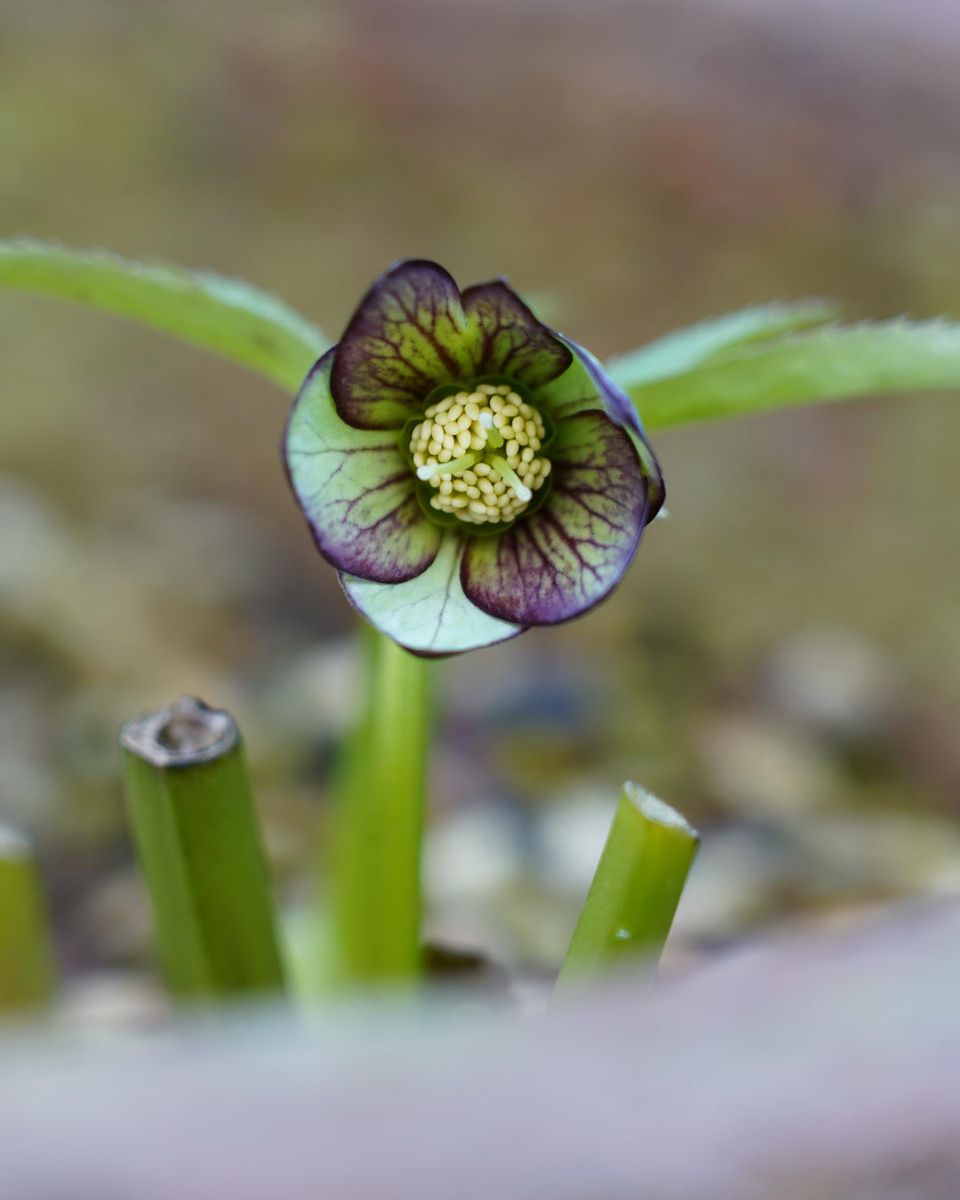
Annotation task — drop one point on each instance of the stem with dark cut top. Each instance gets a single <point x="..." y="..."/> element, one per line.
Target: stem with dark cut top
<point x="26" y="959"/>
<point x="635" y="891"/>
<point x="195" y="829"/>
<point x="379" y="824"/>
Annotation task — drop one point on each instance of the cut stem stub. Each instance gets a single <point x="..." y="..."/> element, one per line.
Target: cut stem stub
<point x="194" y="826"/>
<point x="26" y="959"/>
<point x="636" y="888"/>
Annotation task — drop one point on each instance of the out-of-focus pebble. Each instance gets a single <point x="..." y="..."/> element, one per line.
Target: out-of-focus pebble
<point x="471" y="853"/>
<point x="733" y="881"/>
<point x="760" y="767"/>
<point x="114" y="918"/>
<point x="110" y="1002"/>
<point x="834" y="681"/>
<point x="891" y="852"/>
<point x="316" y="691"/>
<point x="570" y="836"/>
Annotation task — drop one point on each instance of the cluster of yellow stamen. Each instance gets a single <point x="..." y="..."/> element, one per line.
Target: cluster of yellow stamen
<point x="479" y="450"/>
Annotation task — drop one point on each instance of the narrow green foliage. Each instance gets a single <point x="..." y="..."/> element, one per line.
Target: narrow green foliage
<point x="379" y="824"/>
<point x="807" y="368"/>
<point x="765" y="357"/>
<point x="635" y="891"/>
<point x="232" y="318"/>
<point x="195" y="830"/>
<point x="26" y="960"/>
<point x="682" y="349"/>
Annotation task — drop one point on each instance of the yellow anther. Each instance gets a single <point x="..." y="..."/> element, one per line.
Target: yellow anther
<point x="478" y="449"/>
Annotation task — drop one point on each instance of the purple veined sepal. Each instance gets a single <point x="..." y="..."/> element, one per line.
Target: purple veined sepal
<point x="586" y="385"/>
<point x="511" y="342"/>
<point x="408" y="336"/>
<point x="355" y="489"/>
<point x="433" y="586"/>
<point x="414" y="332"/>
<point x="573" y="551"/>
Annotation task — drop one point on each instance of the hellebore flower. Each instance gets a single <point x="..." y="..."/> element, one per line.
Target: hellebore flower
<point x="468" y="471"/>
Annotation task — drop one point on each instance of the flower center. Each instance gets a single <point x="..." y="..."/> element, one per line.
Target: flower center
<point x="479" y="451"/>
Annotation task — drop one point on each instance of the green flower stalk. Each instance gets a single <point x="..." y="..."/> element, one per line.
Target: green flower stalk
<point x="469" y="472"/>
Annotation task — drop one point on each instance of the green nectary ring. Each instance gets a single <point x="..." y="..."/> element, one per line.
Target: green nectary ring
<point x="468" y="471"/>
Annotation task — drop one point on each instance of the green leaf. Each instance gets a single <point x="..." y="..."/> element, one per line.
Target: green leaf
<point x="429" y="615"/>
<point x="232" y="318"/>
<point x="808" y="368"/>
<point x="683" y="349"/>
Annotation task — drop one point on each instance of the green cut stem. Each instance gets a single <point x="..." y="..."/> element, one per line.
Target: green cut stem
<point x="26" y="958"/>
<point x="194" y="825"/>
<point x="379" y="824"/>
<point x="636" y="889"/>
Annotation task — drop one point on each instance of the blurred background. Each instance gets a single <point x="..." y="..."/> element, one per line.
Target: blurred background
<point x="783" y="661"/>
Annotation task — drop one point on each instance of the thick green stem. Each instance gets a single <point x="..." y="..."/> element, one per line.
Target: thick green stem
<point x="379" y="824"/>
<point x="635" y="891"/>
<point x="26" y="960"/>
<point x="195" y="829"/>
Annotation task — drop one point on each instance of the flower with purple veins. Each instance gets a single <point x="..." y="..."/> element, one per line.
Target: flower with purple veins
<point x="469" y="472"/>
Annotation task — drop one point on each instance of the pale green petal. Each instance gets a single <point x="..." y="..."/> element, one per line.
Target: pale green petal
<point x="429" y="614"/>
